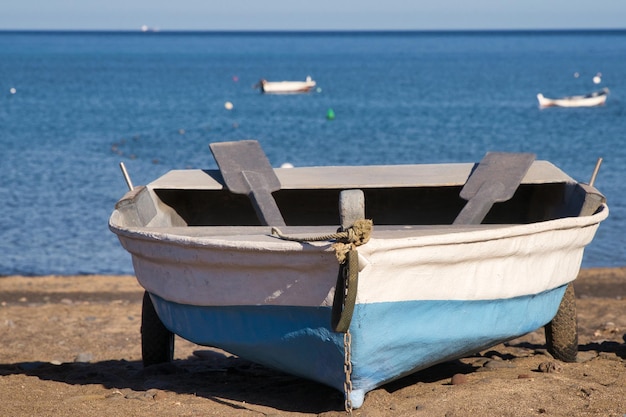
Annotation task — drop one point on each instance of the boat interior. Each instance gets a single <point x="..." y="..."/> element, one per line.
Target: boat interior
<point x="310" y="197"/>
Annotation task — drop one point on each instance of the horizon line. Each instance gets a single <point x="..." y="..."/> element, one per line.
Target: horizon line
<point x="147" y="29"/>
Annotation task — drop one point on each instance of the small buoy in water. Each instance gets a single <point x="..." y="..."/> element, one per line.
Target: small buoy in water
<point x="330" y="114"/>
<point x="576" y="74"/>
<point x="598" y="78"/>
<point x="181" y="131"/>
<point x="228" y="105"/>
<point x="287" y="165"/>
<point x="235" y="78"/>
<point x="12" y="90"/>
<point x="319" y="89"/>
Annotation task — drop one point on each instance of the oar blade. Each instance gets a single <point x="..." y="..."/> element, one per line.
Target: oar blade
<point x="495" y="179"/>
<point x="246" y="170"/>
<point x="233" y="158"/>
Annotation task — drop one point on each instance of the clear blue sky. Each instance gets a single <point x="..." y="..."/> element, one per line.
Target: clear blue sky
<point x="312" y="15"/>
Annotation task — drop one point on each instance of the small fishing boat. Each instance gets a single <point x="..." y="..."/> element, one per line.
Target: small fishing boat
<point x="597" y="98"/>
<point x="286" y="87"/>
<point x="356" y="276"/>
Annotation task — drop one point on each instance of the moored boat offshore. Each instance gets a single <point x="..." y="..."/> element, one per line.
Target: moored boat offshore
<point x="287" y="87"/>
<point x="597" y="98"/>
<point x="388" y="268"/>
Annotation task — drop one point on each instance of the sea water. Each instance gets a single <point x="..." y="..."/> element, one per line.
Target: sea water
<point x="75" y="104"/>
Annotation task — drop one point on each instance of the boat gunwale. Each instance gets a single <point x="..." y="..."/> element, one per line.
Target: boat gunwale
<point x="358" y="176"/>
<point x="452" y="234"/>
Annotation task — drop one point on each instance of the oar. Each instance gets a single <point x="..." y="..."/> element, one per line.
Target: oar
<point x="494" y="180"/>
<point x="246" y="170"/>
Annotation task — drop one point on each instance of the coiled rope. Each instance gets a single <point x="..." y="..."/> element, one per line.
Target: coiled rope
<point x="345" y="240"/>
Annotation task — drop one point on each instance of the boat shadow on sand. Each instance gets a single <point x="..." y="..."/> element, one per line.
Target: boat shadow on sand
<point x="234" y="382"/>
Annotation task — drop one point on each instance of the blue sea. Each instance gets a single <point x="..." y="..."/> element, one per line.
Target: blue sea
<point x="73" y="105"/>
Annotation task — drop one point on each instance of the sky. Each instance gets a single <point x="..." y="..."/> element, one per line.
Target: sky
<point x="311" y="15"/>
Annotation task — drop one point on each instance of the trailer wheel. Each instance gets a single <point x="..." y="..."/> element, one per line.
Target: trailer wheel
<point x="157" y="342"/>
<point x="562" y="331"/>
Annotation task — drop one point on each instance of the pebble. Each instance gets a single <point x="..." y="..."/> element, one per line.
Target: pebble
<point x="141" y="395"/>
<point x="498" y="364"/>
<point x="524" y="376"/>
<point x="114" y="394"/>
<point x="611" y="356"/>
<point x="586" y="356"/>
<point x="550" y="367"/>
<point x="83" y="357"/>
<point x="458" y="379"/>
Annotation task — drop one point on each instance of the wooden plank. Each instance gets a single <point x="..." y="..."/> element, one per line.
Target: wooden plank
<point x="346" y="177"/>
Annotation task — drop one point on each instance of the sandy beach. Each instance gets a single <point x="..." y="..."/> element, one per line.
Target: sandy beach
<point x="71" y="347"/>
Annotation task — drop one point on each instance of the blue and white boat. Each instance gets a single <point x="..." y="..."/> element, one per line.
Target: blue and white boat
<point x="428" y="290"/>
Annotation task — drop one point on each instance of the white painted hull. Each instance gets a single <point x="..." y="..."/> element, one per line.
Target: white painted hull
<point x="287" y="87"/>
<point x="505" y="262"/>
<point x="590" y="100"/>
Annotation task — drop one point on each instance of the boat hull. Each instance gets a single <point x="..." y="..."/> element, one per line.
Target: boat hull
<point x="422" y="298"/>
<point x="590" y="100"/>
<point x="389" y="340"/>
<point x="287" y="87"/>
<point x="428" y="291"/>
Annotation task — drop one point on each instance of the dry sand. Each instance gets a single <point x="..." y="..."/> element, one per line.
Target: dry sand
<point x="71" y="347"/>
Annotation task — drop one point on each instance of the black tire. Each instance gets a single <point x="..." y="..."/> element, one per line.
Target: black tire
<point x="157" y="342"/>
<point x="562" y="331"/>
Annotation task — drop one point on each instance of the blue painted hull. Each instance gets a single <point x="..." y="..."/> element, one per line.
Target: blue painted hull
<point x="389" y="339"/>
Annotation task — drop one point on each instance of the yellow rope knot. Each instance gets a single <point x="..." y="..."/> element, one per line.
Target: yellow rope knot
<point x="356" y="235"/>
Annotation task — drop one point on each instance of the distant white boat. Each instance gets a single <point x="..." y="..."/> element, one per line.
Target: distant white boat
<point x="146" y="28"/>
<point x="286" y="87"/>
<point x="597" y="98"/>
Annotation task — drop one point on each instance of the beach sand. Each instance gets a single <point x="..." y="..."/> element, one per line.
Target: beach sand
<point x="71" y="347"/>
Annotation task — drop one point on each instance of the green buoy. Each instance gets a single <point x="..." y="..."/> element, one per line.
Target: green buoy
<point x="330" y="114"/>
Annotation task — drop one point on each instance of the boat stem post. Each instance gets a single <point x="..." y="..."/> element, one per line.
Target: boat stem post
<point x="126" y="177"/>
<point x="351" y="207"/>
<point x="595" y="172"/>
